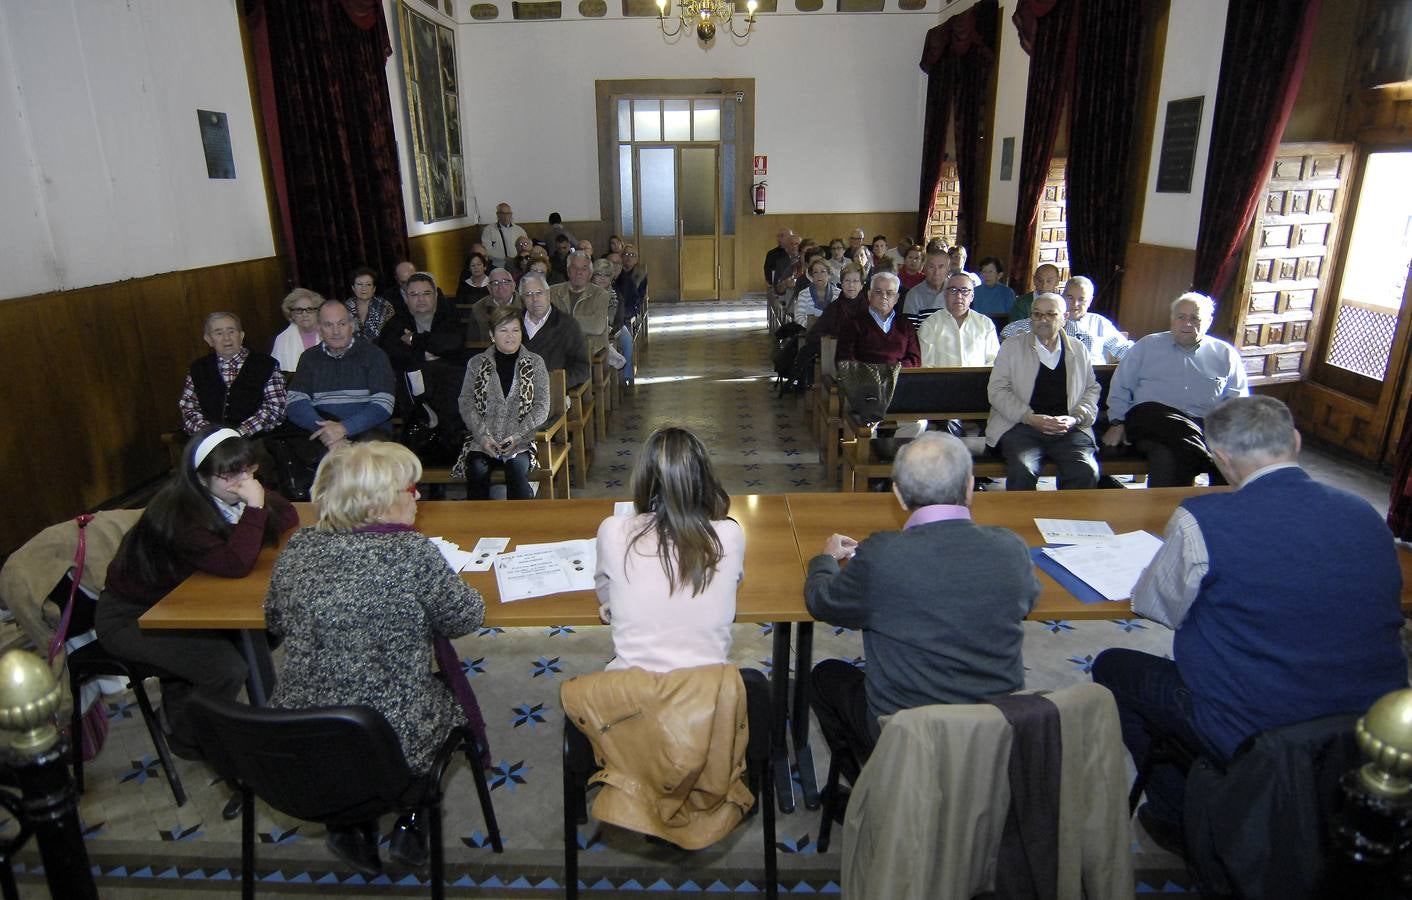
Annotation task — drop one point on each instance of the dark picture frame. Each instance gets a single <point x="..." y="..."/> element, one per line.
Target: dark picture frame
<point x="433" y="114"/>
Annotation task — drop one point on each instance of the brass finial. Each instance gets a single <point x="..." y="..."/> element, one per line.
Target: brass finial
<point x="1384" y="735"/>
<point x="29" y="696"/>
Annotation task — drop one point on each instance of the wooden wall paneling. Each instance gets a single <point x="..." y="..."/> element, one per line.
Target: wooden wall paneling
<point x="442" y="253"/>
<point x="1155" y="276"/>
<point x="995" y="241"/>
<point x="1338" y="419"/>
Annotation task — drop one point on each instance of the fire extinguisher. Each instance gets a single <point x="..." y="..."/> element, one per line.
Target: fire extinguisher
<point x="760" y="198"/>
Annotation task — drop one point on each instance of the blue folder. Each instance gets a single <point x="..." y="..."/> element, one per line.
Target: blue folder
<point x="1067" y="580"/>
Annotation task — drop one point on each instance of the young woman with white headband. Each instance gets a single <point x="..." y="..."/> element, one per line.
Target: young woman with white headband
<point x="213" y="516"/>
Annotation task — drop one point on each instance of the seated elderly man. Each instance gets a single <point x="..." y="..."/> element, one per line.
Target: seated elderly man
<point x="552" y="334"/>
<point x="1045" y="281"/>
<point x="501" y="293"/>
<point x="940" y="603"/>
<point x="1284" y="595"/>
<point x="1072" y="326"/>
<point x="928" y="296"/>
<point x="231" y="386"/>
<point x="1108" y="343"/>
<point x="879" y="334"/>
<point x="585" y="301"/>
<point x="955" y="336"/>
<point x="426" y="344"/>
<point x="1043" y="401"/>
<point x="1165" y="385"/>
<point x="344" y="386"/>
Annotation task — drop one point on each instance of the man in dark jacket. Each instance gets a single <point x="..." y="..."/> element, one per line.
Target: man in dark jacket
<point x="426" y="346"/>
<point x="552" y="334"/>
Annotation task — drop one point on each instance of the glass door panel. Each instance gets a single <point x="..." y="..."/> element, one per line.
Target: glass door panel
<point x="698" y="189"/>
<point x="657" y="218"/>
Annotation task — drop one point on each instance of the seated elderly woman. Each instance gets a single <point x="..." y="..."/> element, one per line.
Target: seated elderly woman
<point x="817" y="294"/>
<point x="504" y="399"/>
<point x="358" y="598"/>
<point x="667" y="574"/>
<point x="301" y="308"/>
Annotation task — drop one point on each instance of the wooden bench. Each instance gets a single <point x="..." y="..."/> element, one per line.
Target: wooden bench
<point x="551" y="450"/>
<point x="940" y="394"/>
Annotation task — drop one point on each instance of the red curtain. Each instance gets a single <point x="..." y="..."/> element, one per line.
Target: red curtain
<point x="320" y="67"/>
<point x="1046" y="26"/>
<point x="1102" y="114"/>
<point x="957" y="58"/>
<point x="1262" y="63"/>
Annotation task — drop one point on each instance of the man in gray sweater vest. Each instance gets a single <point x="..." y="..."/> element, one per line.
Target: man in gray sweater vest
<point x="940" y="604"/>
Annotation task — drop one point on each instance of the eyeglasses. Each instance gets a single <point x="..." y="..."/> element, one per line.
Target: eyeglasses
<point x="416" y="494"/>
<point x="238" y="474"/>
<point x="1044" y="315"/>
<point x="501" y="282"/>
<point x="630" y="253"/>
<point x="528" y="294"/>
<point x="960" y="291"/>
<point x="303" y="310"/>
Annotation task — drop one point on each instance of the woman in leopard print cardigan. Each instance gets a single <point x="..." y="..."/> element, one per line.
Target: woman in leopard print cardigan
<point x="504" y="399"/>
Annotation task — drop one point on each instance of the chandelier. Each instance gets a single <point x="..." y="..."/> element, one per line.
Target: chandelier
<point x="705" y="16"/>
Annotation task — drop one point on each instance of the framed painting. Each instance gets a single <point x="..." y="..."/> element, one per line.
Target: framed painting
<point x="433" y="114"/>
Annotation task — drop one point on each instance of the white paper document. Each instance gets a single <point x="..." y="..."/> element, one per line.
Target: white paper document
<point x="537" y="570"/>
<point x="455" y="557"/>
<point x="624" y="508"/>
<point x="484" y="553"/>
<point x="1110" y="567"/>
<point x="1072" y="531"/>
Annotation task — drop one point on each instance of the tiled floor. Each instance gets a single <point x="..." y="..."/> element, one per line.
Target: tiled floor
<point x="707" y="367"/>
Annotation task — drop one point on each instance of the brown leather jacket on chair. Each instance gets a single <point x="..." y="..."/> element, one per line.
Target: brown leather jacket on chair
<point x="671" y="746"/>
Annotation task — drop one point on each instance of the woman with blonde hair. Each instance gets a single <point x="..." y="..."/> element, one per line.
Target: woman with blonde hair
<point x="301" y="308"/>
<point x="358" y="599"/>
<point x="667" y="575"/>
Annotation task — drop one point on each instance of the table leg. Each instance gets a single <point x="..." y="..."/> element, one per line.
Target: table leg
<point x="799" y="715"/>
<point x="257" y="660"/>
<point x="779" y="697"/>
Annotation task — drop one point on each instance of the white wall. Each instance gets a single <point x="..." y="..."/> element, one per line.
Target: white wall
<point x="838" y="106"/>
<point x="1192" y="68"/>
<point x="1011" y="85"/>
<point x="104" y="178"/>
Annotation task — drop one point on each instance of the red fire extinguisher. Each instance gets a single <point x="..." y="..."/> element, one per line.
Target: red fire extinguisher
<point x="760" y="198"/>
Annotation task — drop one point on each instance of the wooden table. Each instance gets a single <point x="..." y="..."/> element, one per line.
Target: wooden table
<point x="772" y="590"/>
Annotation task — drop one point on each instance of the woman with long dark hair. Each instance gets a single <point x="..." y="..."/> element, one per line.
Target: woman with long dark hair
<point x="667" y="575"/>
<point x="212" y="516"/>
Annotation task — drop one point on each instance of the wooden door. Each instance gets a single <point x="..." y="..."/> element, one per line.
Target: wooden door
<point x="655" y="173"/>
<point x="1288" y="264"/>
<point x="1051" y="239"/>
<point x="700" y="239"/>
<point x="946" y="207"/>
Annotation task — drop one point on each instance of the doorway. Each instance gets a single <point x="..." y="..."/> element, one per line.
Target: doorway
<point x="675" y="180"/>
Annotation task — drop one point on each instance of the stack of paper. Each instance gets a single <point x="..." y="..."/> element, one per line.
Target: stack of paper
<point x="1110" y="567"/>
<point x="1072" y="531"/>
<point x="537" y="570"/>
<point x="455" y="557"/>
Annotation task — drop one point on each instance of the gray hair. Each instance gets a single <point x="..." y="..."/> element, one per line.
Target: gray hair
<point x="1050" y="295"/>
<point x="934" y="468"/>
<point x="1251" y="429"/>
<point x="533" y="276"/>
<point x="891" y="276"/>
<point x="503" y="271"/>
<point x="1203" y="303"/>
<point x="1080" y="281"/>
<point x="206" y="329"/>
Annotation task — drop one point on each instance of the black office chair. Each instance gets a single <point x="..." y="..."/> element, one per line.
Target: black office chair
<point x="337" y="765"/>
<point x="579" y="766"/>
<point x="92" y="661"/>
<point x="831" y="797"/>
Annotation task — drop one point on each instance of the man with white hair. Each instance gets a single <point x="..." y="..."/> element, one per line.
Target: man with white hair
<point x="499" y="236"/>
<point x="955" y="336"/>
<point x="1043" y="402"/>
<point x="552" y="334"/>
<point x="879" y="333"/>
<point x="1284" y="595"/>
<point x="588" y="304"/>
<point x="1164" y="387"/>
<point x="941" y="604"/>
<point x="1108" y="343"/>
<point x="231" y="385"/>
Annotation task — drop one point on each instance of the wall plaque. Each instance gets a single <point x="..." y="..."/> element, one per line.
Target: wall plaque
<point x="1179" y="138"/>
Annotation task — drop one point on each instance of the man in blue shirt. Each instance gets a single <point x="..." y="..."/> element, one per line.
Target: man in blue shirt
<point x="1274" y="625"/>
<point x="1165" y="385"/>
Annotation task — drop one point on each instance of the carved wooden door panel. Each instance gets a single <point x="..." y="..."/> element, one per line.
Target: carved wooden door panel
<point x="1289" y="261"/>
<point x="945" y="208"/>
<point x="1051" y="241"/>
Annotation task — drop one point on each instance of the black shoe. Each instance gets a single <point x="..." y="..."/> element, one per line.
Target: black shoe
<point x="355" y="846"/>
<point x="232" y="808"/>
<point x="1165" y="834"/>
<point x="408" y="844"/>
